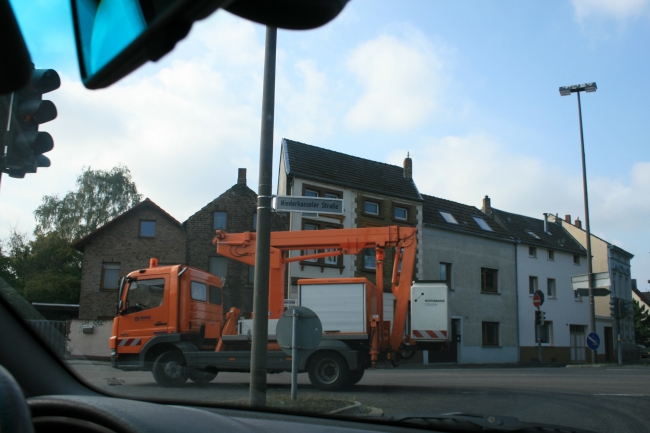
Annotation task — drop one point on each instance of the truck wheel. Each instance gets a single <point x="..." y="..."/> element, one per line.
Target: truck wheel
<point x="201" y="377"/>
<point x="328" y="371"/>
<point x="355" y="376"/>
<point x="169" y="369"/>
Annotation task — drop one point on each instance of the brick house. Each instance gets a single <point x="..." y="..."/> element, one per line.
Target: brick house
<point x="374" y="194"/>
<point x="120" y="246"/>
<point x="128" y="242"/>
<point x="233" y="211"/>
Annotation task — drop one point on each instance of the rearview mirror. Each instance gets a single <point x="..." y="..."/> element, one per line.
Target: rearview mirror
<point x="115" y="37"/>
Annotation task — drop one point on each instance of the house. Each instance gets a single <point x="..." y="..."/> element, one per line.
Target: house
<point x="374" y="194"/>
<point x="122" y="245"/>
<point x="615" y="262"/>
<point x="477" y="259"/>
<point x="547" y="257"/>
<point x="234" y="211"/>
<point x="643" y="298"/>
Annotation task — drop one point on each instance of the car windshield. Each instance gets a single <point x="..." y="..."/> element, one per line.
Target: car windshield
<point x="454" y="183"/>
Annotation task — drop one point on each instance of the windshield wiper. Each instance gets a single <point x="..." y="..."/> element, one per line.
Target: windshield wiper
<point x="467" y="422"/>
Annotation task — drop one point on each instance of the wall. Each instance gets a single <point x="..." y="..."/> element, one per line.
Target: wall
<point x="93" y="345"/>
<point x="119" y="242"/>
<point x="468" y="254"/>
<point x="562" y="311"/>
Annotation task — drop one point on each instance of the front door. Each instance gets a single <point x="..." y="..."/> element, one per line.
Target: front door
<point x="577" y="335"/>
<point x="144" y="314"/>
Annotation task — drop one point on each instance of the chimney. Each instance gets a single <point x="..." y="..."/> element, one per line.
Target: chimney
<point x="578" y="223"/>
<point x="241" y="177"/>
<point x="408" y="166"/>
<point x="487" y="206"/>
<point x="545" y="223"/>
<point x="567" y="218"/>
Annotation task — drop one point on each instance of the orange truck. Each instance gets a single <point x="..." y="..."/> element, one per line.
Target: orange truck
<point x="170" y="319"/>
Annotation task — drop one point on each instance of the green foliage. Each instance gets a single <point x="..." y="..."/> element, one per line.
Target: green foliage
<point x="45" y="269"/>
<point x="100" y="196"/>
<point x="641" y="324"/>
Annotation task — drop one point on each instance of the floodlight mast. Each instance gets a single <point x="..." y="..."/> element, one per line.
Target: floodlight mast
<point x="565" y="91"/>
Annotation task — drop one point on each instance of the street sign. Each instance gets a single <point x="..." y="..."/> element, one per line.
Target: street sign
<point x="597" y="292"/>
<point x="600" y="280"/>
<point x="299" y="332"/>
<point x="308" y="204"/>
<point x="593" y="341"/>
<point x="537" y="301"/>
<point x="540" y="295"/>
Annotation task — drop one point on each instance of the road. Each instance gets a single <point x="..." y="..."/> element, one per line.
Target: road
<point x="602" y="399"/>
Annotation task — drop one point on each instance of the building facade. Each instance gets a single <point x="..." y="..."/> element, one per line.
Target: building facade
<point x="616" y="263"/>
<point x="476" y="258"/>
<point x="547" y="258"/>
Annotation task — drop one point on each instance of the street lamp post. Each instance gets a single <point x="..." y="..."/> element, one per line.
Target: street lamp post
<point x="564" y="91"/>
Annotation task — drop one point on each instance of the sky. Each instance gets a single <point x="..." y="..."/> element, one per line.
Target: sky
<point x="469" y="88"/>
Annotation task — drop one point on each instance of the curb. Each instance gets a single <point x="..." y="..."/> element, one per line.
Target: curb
<point x="358" y="410"/>
<point x="586" y="365"/>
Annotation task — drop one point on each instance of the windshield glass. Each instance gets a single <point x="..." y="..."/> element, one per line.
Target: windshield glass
<point x="145" y="294"/>
<point x="451" y="135"/>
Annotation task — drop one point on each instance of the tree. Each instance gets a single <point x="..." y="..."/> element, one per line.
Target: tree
<point x="45" y="269"/>
<point x="100" y="196"/>
<point x="641" y="324"/>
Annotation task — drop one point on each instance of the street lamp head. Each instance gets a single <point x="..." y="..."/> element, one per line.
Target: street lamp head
<point x="586" y="87"/>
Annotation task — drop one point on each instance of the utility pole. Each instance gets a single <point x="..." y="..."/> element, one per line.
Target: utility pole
<point x="257" y="392"/>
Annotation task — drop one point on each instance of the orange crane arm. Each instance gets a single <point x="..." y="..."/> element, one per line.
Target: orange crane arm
<point x="241" y="247"/>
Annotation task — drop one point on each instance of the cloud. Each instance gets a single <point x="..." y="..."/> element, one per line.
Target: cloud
<point x="465" y="169"/>
<point x="401" y="77"/>
<point x="617" y="9"/>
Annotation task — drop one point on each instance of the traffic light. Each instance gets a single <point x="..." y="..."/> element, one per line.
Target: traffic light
<point x="25" y="145"/>
<point x="613" y="306"/>
<point x="539" y="317"/>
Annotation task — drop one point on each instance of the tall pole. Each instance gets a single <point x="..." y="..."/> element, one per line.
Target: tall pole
<point x="590" y="281"/>
<point x="257" y="392"/>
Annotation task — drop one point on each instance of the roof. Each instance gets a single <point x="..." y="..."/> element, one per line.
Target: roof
<point x="238" y="189"/>
<point x="464" y="215"/>
<point x="323" y="165"/>
<point x="645" y="296"/>
<point x="530" y="231"/>
<point x="614" y="247"/>
<point x="81" y="243"/>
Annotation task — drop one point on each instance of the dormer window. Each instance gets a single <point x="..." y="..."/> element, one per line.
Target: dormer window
<point x="482" y="223"/>
<point x="532" y="234"/>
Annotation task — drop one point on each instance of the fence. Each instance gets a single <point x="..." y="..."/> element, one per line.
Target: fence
<point x="52" y="332"/>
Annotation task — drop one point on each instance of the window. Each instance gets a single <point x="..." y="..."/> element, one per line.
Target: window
<point x="369" y="258"/>
<point x="400" y="213"/>
<point x="551" y="255"/>
<point x="448" y="217"/>
<point x="251" y="274"/>
<point x="550" y="288"/>
<point x="445" y="273"/>
<point x="532" y="285"/>
<point x="532" y="252"/>
<point x="198" y="291"/>
<point x="219" y="221"/>
<point x="254" y="222"/>
<point x="215" y="295"/>
<point x="147" y="229"/>
<point x="308" y="226"/>
<point x="330" y="195"/>
<point x="110" y="276"/>
<point x="489" y="280"/>
<point x="546" y="334"/>
<point x="576" y="297"/>
<point x="482" y="223"/>
<point x="334" y="261"/>
<point x="371" y="207"/>
<point x="310" y="193"/>
<point x="145" y="294"/>
<point x="218" y="266"/>
<point x="576" y="259"/>
<point x="491" y="334"/>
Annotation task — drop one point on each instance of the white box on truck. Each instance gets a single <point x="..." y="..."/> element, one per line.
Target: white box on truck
<point x="339" y="306"/>
<point x="430" y="311"/>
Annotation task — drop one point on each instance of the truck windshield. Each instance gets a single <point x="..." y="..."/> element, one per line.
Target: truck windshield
<point x="144" y="294"/>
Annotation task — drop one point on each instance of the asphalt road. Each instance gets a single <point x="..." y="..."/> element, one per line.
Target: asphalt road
<point x="602" y="399"/>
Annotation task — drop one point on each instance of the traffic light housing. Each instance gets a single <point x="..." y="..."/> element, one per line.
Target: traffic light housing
<point x="613" y="306"/>
<point x="25" y="145"/>
<point x="540" y="316"/>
